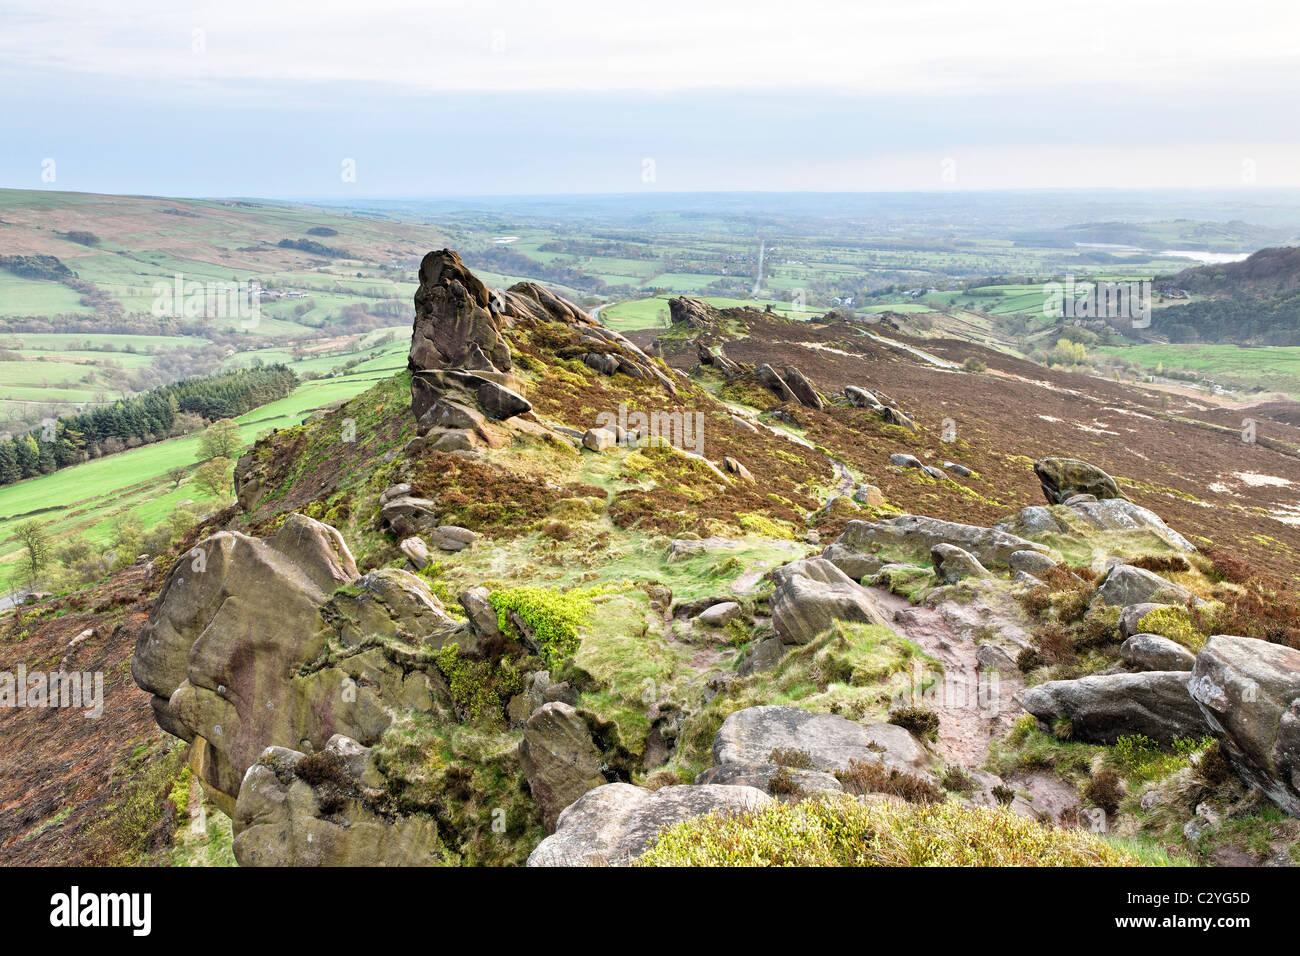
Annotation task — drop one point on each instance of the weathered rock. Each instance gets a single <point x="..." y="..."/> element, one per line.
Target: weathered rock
<point x="1120" y="514"/>
<point x="1104" y="707"/>
<point x="500" y="402"/>
<point x="558" y="759"/>
<point x="1130" y="618"/>
<point x="861" y="397"/>
<point x="1249" y="692"/>
<point x="416" y="551"/>
<point x="615" y="823"/>
<point x="853" y="563"/>
<point x="1125" y="585"/>
<point x="953" y="564"/>
<point x="319" y="813"/>
<point x="1031" y="562"/>
<point x="1030" y="521"/>
<point x="1151" y="652"/>
<point x="892" y="416"/>
<point x="401" y="490"/>
<point x="812" y="594"/>
<point x="920" y="534"/>
<point x="735" y="467"/>
<point x="524" y="704"/>
<point x="936" y="473"/>
<point x="869" y="495"/>
<point x="791" y="783"/>
<point x="446" y="414"/>
<point x="764" y="656"/>
<point x="1062" y="478"/>
<point x="719" y="615"/>
<point x="901" y="460"/>
<point x="748" y="739"/>
<point x="600" y="439"/>
<point x="450" y="537"/>
<point x="802" y="388"/>
<point x="768" y="378"/>
<point x="232" y="647"/>
<point x="682" y="548"/>
<point x="957" y="469"/>
<point x="406" y="514"/>
<point x="479" y="610"/>
<point x="457" y="322"/>
<point x="602" y="362"/>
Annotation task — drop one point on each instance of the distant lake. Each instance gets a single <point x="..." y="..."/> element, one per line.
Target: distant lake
<point x="1209" y="258"/>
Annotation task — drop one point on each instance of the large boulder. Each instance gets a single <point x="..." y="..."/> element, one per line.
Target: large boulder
<point x="1125" y="585"/>
<point x="323" y="810"/>
<point x="1104" y="707"/>
<point x="457" y="322"/>
<point x="752" y="743"/>
<point x="558" y="759"/>
<point x="614" y="824"/>
<point x="1063" y="478"/>
<point x="918" y="534"/>
<point x="802" y="388"/>
<point x="255" y="643"/>
<point x="1249" y="692"/>
<point x="812" y="594"/>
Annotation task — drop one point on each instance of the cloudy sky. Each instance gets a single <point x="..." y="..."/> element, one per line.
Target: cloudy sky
<point x="424" y="98"/>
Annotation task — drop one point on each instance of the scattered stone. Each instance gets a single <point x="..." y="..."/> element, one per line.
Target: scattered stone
<point x="1131" y="616"/>
<point x="957" y="469"/>
<point x="482" y="616"/>
<point x="287" y="817"/>
<point x="600" y="439"/>
<point x="861" y="397"/>
<point x="869" y="495"/>
<point x="748" y="738"/>
<point x="735" y="467"/>
<point x="450" y="537"/>
<point x="1120" y="514"/>
<point x="802" y="388"/>
<point x="918" y="533"/>
<point x="416" y="551"/>
<point x="853" y="563"/>
<point x="892" y="416"/>
<point x="720" y="615"/>
<point x="901" y="460"/>
<point x="1030" y="521"/>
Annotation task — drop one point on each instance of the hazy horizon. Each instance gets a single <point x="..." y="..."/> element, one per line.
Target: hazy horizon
<point x="410" y="99"/>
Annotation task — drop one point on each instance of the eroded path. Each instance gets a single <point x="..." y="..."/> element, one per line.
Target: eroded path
<point x="973" y="707"/>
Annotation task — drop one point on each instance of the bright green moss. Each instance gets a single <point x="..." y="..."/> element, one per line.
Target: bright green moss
<point x="552" y="617"/>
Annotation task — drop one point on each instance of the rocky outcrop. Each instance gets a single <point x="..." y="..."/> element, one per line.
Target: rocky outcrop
<point x="325" y="810"/>
<point x="812" y="594"/>
<point x="1249" y="692"/>
<point x="919" y="535"/>
<point x="278" y="642"/>
<point x="460" y="355"/>
<point x="1063" y="478"/>
<point x="558" y="759"/>
<point x="614" y="824"/>
<point x="1105" y="707"/>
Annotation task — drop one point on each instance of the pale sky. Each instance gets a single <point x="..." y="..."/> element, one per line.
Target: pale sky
<point x="507" y="96"/>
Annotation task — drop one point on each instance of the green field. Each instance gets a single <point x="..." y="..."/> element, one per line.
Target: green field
<point x="1263" y="368"/>
<point x="652" y="313"/>
<point x="85" y="498"/>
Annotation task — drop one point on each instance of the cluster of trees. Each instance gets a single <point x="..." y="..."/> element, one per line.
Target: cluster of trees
<point x="155" y="415"/>
<point x="315" y="248"/>
<point x="1241" y="319"/>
